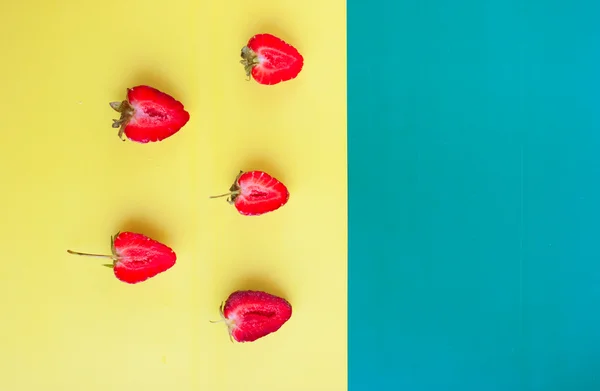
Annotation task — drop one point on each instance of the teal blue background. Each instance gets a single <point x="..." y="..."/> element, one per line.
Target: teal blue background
<point x="474" y="195"/>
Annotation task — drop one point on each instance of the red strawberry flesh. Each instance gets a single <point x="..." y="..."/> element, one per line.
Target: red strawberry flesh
<point x="251" y="315"/>
<point x="260" y="193"/>
<point x="270" y="60"/>
<point x="255" y="193"/>
<point x="140" y="258"/>
<point x="149" y="115"/>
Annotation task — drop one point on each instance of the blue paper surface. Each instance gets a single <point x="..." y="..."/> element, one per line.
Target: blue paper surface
<point x="474" y="195"/>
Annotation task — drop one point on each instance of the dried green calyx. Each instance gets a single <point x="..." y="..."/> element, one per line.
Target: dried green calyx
<point x="234" y="190"/>
<point x="114" y="257"/>
<point x="127" y="111"/>
<point x="229" y="322"/>
<point x="250" y="60"/>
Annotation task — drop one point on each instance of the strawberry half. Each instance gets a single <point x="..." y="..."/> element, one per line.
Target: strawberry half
<point x="270" y="60"/>
<point x="255" y="192"/>
<point x="251" y="315"/>
<point x="148" y="115"/>
<point x="136" y="257"/>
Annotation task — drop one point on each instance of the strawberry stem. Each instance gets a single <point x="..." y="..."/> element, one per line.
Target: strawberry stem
<point x="230" y="323"/>
<point x="92" y="255"/>
<point x="237" y="192"/>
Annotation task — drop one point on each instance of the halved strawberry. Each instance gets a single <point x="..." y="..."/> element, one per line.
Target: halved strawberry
<point x="270" y="60"/>
<point x="136" y="257"/>
<point x="148" y="115"/>
<point x="255" y="192"/>
<point x="251" y="315"/>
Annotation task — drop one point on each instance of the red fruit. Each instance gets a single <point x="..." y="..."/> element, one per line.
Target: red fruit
<point x="251" y="315"/>
<point x="271" y="60"/>
<point x="255" y="192"/>
<point x="149" y="115"/>
<point x="136" y="257"/>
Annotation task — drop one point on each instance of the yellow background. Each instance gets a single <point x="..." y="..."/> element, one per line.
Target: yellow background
<point x="68" y="182"/>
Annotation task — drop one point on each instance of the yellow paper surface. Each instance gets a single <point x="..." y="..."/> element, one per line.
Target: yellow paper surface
<point x="69" y="182"/>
